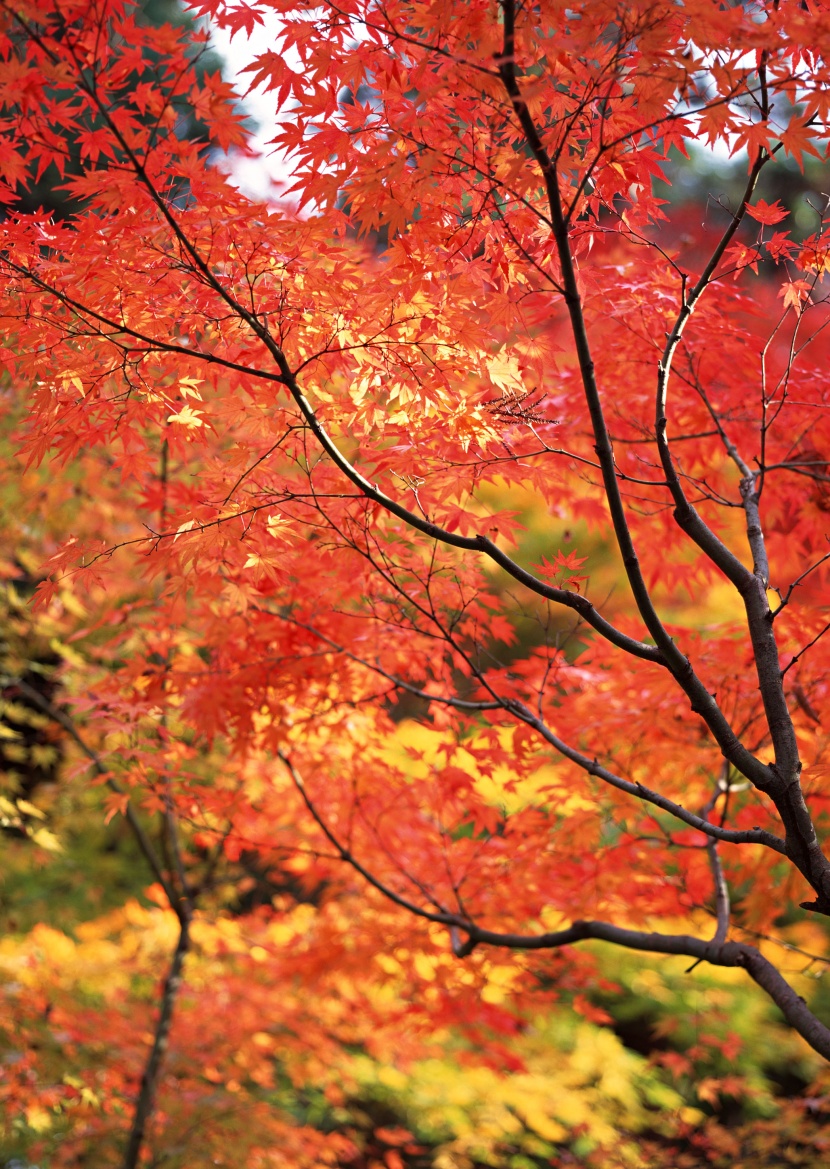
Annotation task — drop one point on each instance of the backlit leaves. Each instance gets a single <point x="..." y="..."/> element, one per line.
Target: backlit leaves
<point x="396" y="532"/>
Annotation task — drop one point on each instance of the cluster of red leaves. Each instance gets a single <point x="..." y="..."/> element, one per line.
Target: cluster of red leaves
<point x="298" y="433"/>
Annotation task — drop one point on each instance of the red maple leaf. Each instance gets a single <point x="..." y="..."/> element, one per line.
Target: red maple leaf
<point x="767" y="212"/>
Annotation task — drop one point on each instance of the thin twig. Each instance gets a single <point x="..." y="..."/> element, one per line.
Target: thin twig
<point x="144" y="843"/>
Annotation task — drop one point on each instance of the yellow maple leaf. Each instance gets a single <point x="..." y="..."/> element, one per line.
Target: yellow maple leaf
<point x="188" y="417"/>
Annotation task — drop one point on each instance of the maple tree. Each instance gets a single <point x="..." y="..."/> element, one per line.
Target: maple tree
<point x="365" y="458"/>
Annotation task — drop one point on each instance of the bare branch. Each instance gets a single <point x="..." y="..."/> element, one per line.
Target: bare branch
<point x="803" y="576"/>
<point x="589" y="765"/>
<point x="722" y="906"/>
<point x="442" y="917"/>
<point x="803" y="651"/>
<point x="792" y="1006"/>
<point x="146" y="1102"/>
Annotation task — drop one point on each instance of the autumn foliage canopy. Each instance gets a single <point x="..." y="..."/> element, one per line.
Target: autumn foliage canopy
<point x="451" y="537"/>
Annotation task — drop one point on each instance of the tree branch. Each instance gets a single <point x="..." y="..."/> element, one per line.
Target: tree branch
<point x="591" y="766"/>
<point x="182" y="906"/>
<point x="722" y="905"/>
<point x="465" y="935"/>
<point x="702" y="701"/>
<point x="146" y="1102"/>
<point x="714" y="831"/>
<point x="792" y="1006"/>
<point x="143" y="840"/>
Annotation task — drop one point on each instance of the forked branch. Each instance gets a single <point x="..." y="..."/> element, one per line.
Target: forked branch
<point x="466" y="935"/>
<point x="591" y="766"/>
<point x="181" y="903"/>
<point x="781" y="779"/>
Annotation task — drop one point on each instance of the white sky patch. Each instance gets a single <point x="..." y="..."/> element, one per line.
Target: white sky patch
<point x="266" y="176"/>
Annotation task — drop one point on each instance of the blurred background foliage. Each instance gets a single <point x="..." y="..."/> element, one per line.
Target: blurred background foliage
<point x="657" y="1065"/>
